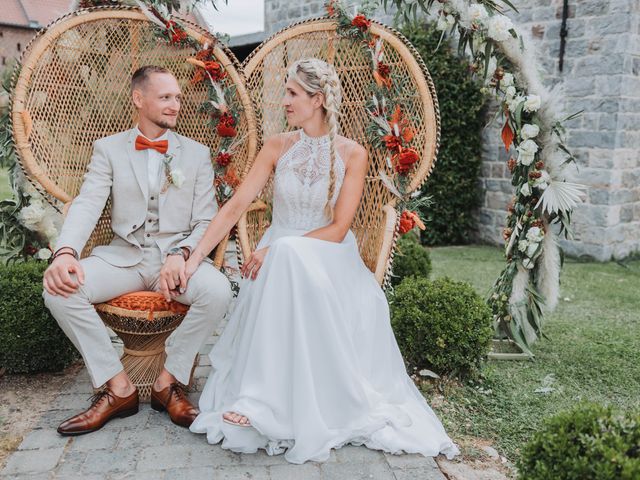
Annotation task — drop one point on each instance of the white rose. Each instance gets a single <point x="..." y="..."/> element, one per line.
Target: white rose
<point x="522" y="245"/>
<point x="526" y="152"/>
<point x="477" y="13"/>
<point x="543" y="181"/>
<point x="32" y="215"/>
<point x="451" y="20"/>
<point x="525" y="190"/>
<point x="498" y="28"/>
<point x="529" y="131"/>
<point x="507" y="80"/>
<point x="51" y="234"/>
<point x="531" y="103"/>
<point x="509" y="93"/>
<point x="43" y="254"/>
<point x="534" y="234"/>
<point x="528" y="263"/>
<point x="513" y="104"/>
<point x="177" y="177"/>
<point x="532" y="249"/>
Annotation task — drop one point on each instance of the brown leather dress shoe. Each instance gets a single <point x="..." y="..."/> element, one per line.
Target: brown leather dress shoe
<point x="105" y="405"/>
<point x="175" y="402"/>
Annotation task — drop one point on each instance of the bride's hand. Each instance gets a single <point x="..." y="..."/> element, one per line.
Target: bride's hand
<point x="251" y="267"/>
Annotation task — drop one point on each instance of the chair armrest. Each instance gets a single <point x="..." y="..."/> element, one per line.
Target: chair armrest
<point x="243" y="234"/>
<point x="388" y="243"/>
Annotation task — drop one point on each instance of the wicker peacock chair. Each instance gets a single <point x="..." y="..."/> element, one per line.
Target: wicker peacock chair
<point x="375" y="223"/>
<point x="73" y="88"/>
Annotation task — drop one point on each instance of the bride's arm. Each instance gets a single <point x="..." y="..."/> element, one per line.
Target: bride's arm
<point x="348" y="199"/>
<point x="231" y="211"/>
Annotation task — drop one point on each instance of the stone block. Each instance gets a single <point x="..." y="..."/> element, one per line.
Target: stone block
<point x="107" y="461"/>
<point x="308" y="471"/>
<point x="32" y="461"/>
<point x="143" y="437"/>
<point x="242" y="473"/>
<point x="378" y="470"/>
<point x="102" y="439"/>
<point x="40" y="439"/>
<point x="590" y="8"/>
<point x="163" y="457"/>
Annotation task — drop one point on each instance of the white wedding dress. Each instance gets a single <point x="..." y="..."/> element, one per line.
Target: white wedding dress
<point x="308" y="354"/>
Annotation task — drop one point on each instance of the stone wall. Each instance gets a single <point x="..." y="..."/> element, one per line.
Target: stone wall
<point x="600" y="76"/>
<point x="13" y="41"/>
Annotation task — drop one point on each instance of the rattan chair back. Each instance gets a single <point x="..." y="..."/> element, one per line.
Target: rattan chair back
<point x="73" y="88"/>
<point x="265" y="71"/>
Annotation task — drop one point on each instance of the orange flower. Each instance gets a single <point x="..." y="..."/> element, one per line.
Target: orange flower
<point x="214" y="69"/>
<point x="405" y="160"/>
<point x="407" y="222"/>
<point x="506" y="233"/>
<point x="198" y="76"/>
<point x="230" y="178"/>
<point x="331" y="9"/>
<point x="384" y="69"/>
<point x="407" y="134"/>
<point x="361" y="22"/>
<point x="511" y="164"/>
<point x="392" y="142"/>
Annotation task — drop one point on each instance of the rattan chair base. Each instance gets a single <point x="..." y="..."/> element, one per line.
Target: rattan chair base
<point x="144" y="353"/>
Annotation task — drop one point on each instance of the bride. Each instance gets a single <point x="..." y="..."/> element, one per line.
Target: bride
<point x="308" y="360"/>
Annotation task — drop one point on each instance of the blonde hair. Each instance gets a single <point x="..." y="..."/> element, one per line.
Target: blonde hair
<point x="317" y="76"/>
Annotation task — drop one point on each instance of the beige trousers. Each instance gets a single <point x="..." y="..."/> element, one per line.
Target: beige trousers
<point x="208" y="293"/>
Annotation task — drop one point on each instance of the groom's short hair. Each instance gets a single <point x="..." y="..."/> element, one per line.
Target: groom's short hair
<point x="142" y="74"/>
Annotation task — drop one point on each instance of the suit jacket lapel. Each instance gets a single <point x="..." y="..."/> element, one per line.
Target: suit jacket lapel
<point x="174" y="152"/>
<point x="139" y="164"/>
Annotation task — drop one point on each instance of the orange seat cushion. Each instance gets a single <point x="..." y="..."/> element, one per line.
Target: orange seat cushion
<point x="147" y="301"/>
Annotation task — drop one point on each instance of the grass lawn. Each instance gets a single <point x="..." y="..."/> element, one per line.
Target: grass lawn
<point x="5" y="189"/>
<point x="593" y="351"/>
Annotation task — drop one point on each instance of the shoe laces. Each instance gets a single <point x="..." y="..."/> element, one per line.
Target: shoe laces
<point x="98" y="396"/>
<point x="176" y="388"/>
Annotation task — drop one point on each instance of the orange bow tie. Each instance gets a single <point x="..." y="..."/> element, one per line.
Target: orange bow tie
<point x="143" y="143"/>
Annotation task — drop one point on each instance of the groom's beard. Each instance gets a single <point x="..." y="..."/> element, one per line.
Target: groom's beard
<point x="165" y="123"/>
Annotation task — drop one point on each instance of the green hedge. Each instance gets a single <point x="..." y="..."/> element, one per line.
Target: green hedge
<point x="442" y="325"/>
<point x="30" y="338"/>
<point x="411" y="259"/>
<point x="453" y="184"/>
<point x="587" y="442"/>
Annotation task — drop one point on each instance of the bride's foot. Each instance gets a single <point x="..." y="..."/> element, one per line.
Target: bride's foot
<point x="234" y="418"/>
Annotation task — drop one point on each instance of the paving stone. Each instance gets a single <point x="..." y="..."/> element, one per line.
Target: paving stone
<point x="33" y="461"/>
<point x="261" y="458"/>
<point x="81" y="476"/>
<point x="424" y="473"/>
<point x="28" y="476"/>
<point x="412" y="460"/>
<point x="361" y="454"/>
<point x="70" y="464"/>
<point x="157" y="419"/>
<point x="198" y="473"/>
<point x="104" y="438"/>
<point x="243" y="473"/>
<point x="107" y="461"/>
<point x="213" y="455"/>
<point x="53" y="418"/>
<point x="136" y="475"/>
<point x="164" y="457"/>
<point x="175" y="435"/>
<point x="43" y="438"/>
<point x="377" y="470"/>
<point x="72" y="401"/>
<point x="143" y="437"/>
<point x="308" y="471"/>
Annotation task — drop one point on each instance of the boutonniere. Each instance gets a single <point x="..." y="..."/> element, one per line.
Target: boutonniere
<point x="173" y="176"/>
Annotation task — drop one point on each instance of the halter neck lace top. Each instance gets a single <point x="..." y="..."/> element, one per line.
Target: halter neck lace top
<point x="301" y="182"/>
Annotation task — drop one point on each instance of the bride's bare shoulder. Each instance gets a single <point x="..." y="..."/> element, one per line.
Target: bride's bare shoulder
<point x="350" y="150"/>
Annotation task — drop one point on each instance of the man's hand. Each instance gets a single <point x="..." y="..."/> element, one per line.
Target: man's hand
<point x="173" y="280"/>
<point x="251" y="267"/>
<point x="57" y="278"/>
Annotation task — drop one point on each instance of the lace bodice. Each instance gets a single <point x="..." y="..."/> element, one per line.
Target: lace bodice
<point x="301" y="182"/>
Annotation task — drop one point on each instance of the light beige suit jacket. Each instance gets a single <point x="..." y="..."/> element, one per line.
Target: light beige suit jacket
<point x="119" y="170"/>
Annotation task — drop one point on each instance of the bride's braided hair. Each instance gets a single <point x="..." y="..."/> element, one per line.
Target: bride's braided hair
<point x="317" y="76"/>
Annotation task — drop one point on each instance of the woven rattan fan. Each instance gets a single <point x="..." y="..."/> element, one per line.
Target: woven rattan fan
<point x="73" y="89"/>
<point x="265" y="70"/>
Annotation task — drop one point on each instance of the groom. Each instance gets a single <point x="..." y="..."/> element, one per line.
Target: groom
<point x="161" y="185"/>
